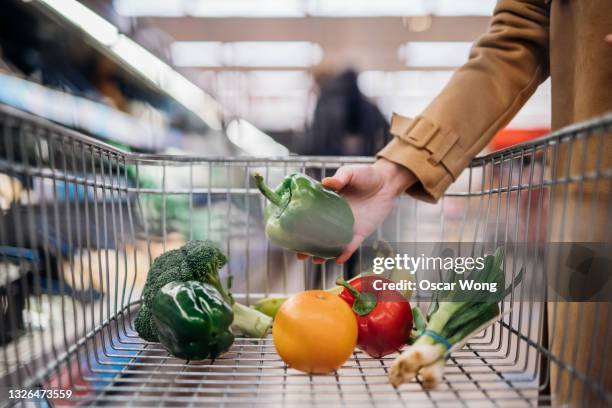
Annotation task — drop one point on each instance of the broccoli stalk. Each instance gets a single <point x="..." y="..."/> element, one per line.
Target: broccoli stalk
<point x="250" y="322"/>
<point x="195" y="261"/>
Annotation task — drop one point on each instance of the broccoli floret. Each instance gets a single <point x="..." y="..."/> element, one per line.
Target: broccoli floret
<point x="204" y="256"/>
<point x="166" y="268"/>
<point x="143" y="325"/>
<point x="195" y="261"/>
<point x="205" y="260"/>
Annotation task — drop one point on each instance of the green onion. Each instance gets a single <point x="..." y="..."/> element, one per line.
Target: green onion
<point x="453" y="317"/>
<point x="419" y="324"/>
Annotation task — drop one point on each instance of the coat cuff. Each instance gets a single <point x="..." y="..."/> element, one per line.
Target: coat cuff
<point x="434" y="155"/>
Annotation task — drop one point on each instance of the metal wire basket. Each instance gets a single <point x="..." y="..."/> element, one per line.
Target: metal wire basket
<point x="82" y="221"/>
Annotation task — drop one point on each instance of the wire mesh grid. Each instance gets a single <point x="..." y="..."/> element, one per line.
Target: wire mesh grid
<point x="82" y="222"/>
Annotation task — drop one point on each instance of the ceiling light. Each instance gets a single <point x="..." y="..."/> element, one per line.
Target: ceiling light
<point x="272" y="54"/>
<point x="246" y="54"/>
<point x="160" y="73"/>
<point x="279" y="81"/>
<point x="463" y="7"/>
<point x="252" y="140"/>
<point x="84" y="18"/>
<point x="366" y="8"/>
<point x="145" y="8"/>
<point x="197" y="53"/>
<point x="302" y="8"/>
<point x="194" y="99"/>
<point x="434" y="53"/>
<point x="141" y="59"/>
<point x="245" y="8"/>
<point x="402" y="83"/>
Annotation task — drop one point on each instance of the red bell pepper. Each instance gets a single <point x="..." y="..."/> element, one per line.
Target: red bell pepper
<point x="384" y="317"/>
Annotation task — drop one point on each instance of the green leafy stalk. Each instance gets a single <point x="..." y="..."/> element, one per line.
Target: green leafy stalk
<point x="477" y="317"/>
<point x="456" y="313"/>
<point x="473" y="313"/>
<point x="419" y="323"/>
<point x="250" y="322"/>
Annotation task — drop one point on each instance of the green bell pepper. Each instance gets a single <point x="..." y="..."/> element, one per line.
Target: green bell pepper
<point x="192" y="320"/>
<point x="303" y="216"/>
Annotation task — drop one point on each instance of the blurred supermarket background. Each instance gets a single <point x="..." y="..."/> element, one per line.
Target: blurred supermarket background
<point x="240" y="77"/>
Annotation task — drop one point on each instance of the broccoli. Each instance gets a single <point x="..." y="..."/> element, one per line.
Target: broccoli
<point x="195" y="261"/>
<point x="143" y="325"/>
<point x="165" y="269"/>
<point x="206" y="260"/>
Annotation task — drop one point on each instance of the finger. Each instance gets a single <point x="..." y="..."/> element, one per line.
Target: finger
<point x="609" y="38"/>
<point x="350" y="249"/>
<point x="333" y="183"/>
<point x="301" y="257"/>
<point x="340" y="180"/>
<point x="318" y="261"/>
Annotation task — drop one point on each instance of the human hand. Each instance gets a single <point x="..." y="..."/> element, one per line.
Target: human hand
<point x="370" y="190"/>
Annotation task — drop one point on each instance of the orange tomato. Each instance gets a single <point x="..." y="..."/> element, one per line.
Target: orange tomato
<point x="315" y="331"/>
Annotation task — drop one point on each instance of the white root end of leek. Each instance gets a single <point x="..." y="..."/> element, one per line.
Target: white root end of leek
<point x="398" y="373"/>
<point x="405" y="367"/>
<point x="431" y="375"/>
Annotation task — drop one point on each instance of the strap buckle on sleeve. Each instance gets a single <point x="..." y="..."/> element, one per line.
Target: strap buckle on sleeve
<point x="443" y="147"/>
<point x="417" y="132"/>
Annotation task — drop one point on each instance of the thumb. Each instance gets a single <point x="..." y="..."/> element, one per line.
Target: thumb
<point x="340" y="180"/>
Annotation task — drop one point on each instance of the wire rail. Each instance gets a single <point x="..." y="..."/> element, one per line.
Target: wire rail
<point x="82" y="221"/>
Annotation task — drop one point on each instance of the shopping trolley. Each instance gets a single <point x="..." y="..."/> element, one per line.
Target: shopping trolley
<point x="82" y="221"/>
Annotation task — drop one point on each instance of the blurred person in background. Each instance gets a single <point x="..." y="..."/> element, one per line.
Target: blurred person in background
<point x="345" y="122"/>
<point x="527" y="41"/>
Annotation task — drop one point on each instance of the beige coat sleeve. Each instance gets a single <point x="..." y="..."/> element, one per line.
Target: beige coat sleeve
<point x="505" y="67"/>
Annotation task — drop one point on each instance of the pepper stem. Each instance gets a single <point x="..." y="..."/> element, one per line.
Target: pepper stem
<point x="364" y="302"/>
<point x="267" y="191"/>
